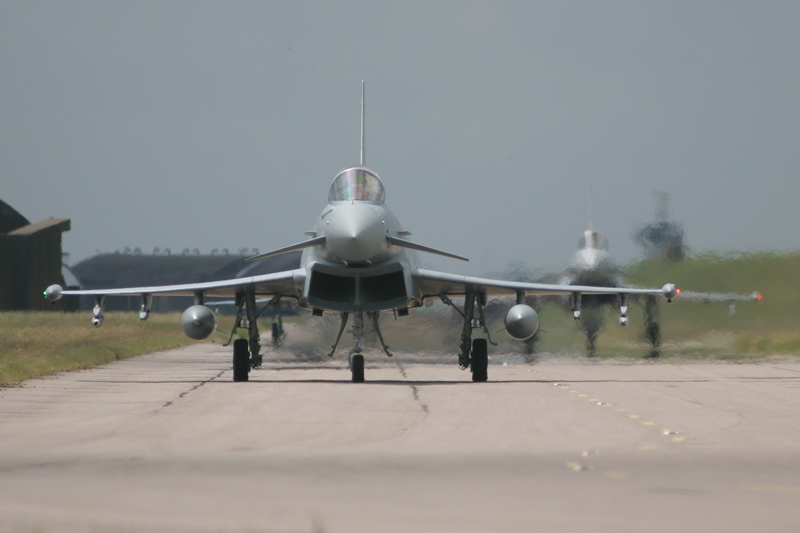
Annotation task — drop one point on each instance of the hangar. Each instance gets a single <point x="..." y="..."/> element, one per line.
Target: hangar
<point x="30" y="260"/>
<point x="116" y="270"/>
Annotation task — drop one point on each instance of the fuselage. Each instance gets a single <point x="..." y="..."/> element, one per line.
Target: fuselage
<point x="357" y="268"/>
<point x="592" y="266"/>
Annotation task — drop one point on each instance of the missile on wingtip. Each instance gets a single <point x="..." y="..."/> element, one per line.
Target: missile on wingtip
<point x="670" y="291"/>
<point x="53" y="293"/>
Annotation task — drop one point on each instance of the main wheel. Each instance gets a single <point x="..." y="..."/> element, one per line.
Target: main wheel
<point x="358" y="368"/>
<point x="591" y="322"/>
<point x="241" y="360"/>
<point x="480" y="360"/>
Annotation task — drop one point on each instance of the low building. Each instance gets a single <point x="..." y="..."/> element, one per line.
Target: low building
<point x="119" y="270"/>
<point x="30" y="260"/>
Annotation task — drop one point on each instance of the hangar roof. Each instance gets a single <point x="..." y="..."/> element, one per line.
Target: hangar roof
<point x="107" y="271"/>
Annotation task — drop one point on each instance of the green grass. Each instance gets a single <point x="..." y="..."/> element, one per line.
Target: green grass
<point x="692" y="328"/>
<point x="34" y="344"/>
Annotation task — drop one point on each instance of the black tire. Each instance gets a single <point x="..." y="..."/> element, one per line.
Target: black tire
<point x="241" y="360"/>
<point x="480" y="360"/>
<point x="358" y="368"/>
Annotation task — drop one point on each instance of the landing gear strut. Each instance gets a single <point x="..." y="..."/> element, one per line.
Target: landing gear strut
<point x="590" y="322"/>
<point x="474" y="353"/>
<point x="652" y="330"/>
<point x="355" y="360"/>
<point x="252" y="326"/>
<point x="278" y="333"/>
<point x="247" y="352"/>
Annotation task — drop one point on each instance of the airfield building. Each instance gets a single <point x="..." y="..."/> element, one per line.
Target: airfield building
<point x="30" y="260"/>
<point x="117" y="270"/>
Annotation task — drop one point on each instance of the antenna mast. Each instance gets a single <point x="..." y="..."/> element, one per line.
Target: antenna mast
<point x="363" y="159"/>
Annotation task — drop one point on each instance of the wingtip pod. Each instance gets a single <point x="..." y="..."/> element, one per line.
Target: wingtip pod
<point x="670" y="291"/>
<point x="53" y="293"/>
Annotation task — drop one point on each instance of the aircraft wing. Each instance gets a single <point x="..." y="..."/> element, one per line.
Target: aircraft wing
<point x="432" y="283"/>
<point x="264" y="285"/>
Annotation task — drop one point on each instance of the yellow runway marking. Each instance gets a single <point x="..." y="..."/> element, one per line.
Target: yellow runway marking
<point x="617" y="475"/>
<point x="649" y="447"/>
<point x="647" y="423"/>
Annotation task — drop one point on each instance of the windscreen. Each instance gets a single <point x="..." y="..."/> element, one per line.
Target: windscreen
<point x="356" y="184"/>
<point x="593" y="239"/>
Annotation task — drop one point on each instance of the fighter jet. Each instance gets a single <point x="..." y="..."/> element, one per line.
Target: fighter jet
<point x="593" y="265"/>
<point x="358" y="261"/>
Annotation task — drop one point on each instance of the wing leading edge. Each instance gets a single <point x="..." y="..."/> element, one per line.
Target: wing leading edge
<point x="432" y="283"/>
<point x="284" y="283"/>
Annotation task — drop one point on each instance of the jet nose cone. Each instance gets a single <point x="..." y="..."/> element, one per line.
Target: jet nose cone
<point x="355" y="233"/>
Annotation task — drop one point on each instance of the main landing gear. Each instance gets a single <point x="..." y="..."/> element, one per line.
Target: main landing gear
<point x="652" y="330"/>
<point x="241" y="360"/>
<point x="474" y="353"/>
<point x="247" y="352"/>
<point x="591" y="316"/>
<point x="479" y="360"/>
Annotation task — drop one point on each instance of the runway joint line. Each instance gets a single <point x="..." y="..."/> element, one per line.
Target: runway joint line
<point x="186" y="392"/>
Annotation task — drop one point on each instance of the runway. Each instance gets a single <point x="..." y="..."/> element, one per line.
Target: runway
<point x="167" y="442"/>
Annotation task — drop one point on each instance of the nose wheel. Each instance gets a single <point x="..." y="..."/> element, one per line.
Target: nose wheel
<point x="357" y="367"/>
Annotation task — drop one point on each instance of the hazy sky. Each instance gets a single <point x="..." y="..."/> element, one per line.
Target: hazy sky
<point x="220" y="125"/>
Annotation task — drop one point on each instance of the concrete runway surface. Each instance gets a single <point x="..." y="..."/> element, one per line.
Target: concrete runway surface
<point x="167" y="442"/>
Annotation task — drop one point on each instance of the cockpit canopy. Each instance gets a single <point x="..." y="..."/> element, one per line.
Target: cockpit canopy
<point x="356" y="184"/>
<point x="593" y="239"/>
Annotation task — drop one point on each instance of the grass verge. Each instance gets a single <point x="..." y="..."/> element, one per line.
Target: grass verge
<point x="35" y="344"/>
